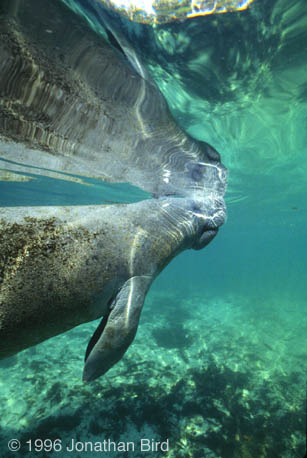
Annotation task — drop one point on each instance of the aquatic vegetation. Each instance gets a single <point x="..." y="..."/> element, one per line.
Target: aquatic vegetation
<point x="174" y="336"/>
<point x="215" y="400"/>
<point x="218" y="366"/>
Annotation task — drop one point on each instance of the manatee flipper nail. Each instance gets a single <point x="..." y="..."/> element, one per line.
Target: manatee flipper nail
<point x="117" y="329"/>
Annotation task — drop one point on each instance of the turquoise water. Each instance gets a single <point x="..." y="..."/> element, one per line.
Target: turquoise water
<point x="218" y="366"/>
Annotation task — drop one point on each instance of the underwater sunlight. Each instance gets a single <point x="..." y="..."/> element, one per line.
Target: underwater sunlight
<point x="126" y="147"/>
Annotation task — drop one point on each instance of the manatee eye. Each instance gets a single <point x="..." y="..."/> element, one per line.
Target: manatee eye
<point x="195" y="208"/>
<point x="197" y="172"/>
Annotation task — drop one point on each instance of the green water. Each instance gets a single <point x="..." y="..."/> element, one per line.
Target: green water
<point x="218" y="366"/>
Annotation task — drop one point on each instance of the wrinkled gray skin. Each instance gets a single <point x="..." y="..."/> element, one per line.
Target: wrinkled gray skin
<point x="70" y="103"/>
<point x="63" y="266"/>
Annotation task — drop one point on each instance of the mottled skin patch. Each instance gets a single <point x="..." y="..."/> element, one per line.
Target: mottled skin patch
<point x="39" y="266"/>
<point x="60" y="268"/>
<point x="78" y="107"/>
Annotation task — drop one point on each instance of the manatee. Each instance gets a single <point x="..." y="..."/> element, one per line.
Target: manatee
<point x="63" y="266"/>
<point x="73" y="104"/>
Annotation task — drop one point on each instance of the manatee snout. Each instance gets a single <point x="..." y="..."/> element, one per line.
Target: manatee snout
<point x="208" y="224"/>
<point x="208" y="216"/>
<point x="205" y="238"/>
<point x="209" y="179"/>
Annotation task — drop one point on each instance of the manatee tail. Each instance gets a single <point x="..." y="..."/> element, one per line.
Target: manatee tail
<point x="117" y="329"/>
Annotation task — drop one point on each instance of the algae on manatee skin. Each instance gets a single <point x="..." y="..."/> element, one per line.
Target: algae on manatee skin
<point x="11" y="176"/>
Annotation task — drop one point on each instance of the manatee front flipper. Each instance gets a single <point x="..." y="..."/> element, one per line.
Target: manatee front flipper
<point x="117" y="329"/>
